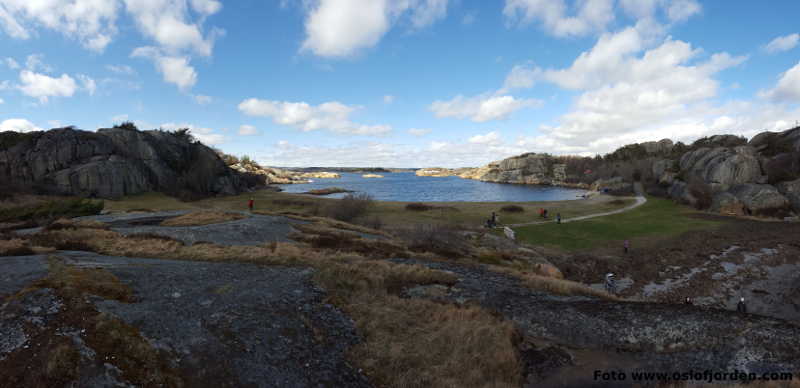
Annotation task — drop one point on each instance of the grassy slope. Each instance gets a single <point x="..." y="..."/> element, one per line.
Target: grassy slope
<point x="656" y="218"/>
<point x="391" y="213"/>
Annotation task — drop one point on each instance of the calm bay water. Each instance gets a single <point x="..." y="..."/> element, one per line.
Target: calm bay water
<point x="407" y="187"/>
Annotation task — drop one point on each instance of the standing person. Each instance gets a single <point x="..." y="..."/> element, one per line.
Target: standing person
<point x="250" y="204"/>
<point x="688" y="300"/>
<point x="626" y="245"/>
<point x="494" y="219"/>
<point x="741" y="307"/>
<point x="558" y="218"/>
<point x="541" y="212"/>
<point x="545" y="213"/>
<point x="611" y="286"/>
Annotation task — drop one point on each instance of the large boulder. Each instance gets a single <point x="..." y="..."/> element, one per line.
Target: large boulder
<point x="722" y="167"/>
<point x="791" y="190"/>
<point x="661" y="166"/>
<point x="727" y="203"/>
<point x="662" y="146"/>
<point x="114" y="162"/>
<point x="679" y="191"/>
<point x="774" y="143"/>
<point x="760" y="199"/>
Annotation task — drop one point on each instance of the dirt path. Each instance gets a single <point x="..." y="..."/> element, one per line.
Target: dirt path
<point x="640" y="200"/>
<point x="654" y="337"/>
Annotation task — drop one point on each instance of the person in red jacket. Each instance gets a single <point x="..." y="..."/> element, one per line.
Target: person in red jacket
<point x="250" y="204"/>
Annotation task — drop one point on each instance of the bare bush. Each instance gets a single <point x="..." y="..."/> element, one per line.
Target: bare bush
<point x="418" y="207"/>
<point x="440" y="239"/>
<point x="350" y="207"/>
<point x="701" y="191"/>
<point x="512" y="209"/>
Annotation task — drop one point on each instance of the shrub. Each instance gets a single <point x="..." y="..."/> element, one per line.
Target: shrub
<point x="127" y="125"/>
<point x="418" y="207"/>
<point x="51" y="210"/>
<point x="436" y="238"/>
<point x="512" y="209"/>
<point x="350" y="207"/>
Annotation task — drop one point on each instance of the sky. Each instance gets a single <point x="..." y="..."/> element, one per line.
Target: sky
<point x="403" y="83"/>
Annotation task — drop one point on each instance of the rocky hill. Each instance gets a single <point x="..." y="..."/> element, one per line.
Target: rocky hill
<point x="113" y="162"/>
<point x="724" y="173"/>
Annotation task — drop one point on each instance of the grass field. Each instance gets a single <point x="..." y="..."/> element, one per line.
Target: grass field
<point x="656" y="218"/>
<point x="390" y="213"/>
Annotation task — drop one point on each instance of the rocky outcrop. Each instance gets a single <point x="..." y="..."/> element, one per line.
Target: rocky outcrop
<point x="722" y="167"/>
<point x="114" y="162"/>
<point x="658" y="147"/>
<point x="320" y="175"/>
<point x="372" y="176"/>
<point x="435" y="172"/>
<point x="773" y="143"/>
<point x="612" y="184"/>
<point x="759" y="199"/>
<point x="679" y="191"/>
<point x="727" y="203"/>
<point x="791" y="190"/>
<point x="273" y="176"/>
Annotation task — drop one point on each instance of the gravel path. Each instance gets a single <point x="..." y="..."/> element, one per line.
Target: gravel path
<point x="627" y="335"/>
<point x="640" y="200"/>
<point x="227" y="324"/>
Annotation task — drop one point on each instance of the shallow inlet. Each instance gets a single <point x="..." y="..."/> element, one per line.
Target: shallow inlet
<point x="408" y="187"/>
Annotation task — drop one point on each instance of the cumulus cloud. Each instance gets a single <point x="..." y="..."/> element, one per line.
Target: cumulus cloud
<point x="42" y="86"/>
<point x="2" y="101"/>
<point x="175" y="69"/>
<point x="682" y="10"/>
<point x="521" y="77"/>
<point x="248" y="130"/>
<point x="35" y="62"/>
<point x="169" y="24"/>
<point x="91" y="22"/>
<point x="491" y="138"/>
<point x="88" y="84"/>
<point x="121" y="69"/>
<point x="481" y="108"/>
<point x="333" y="116"/>
<point x="340" y="28"/>
<point x="205" y="135"/>
<point x="11" y="63"/>
<point x="203" y="99"/>
<point x="18" y="125"/>
<point x="782" y="43"/>
<point x="788" y="87"/>
<point x="419" y="131"/>
<point x="388" y="99"/>
<point x="559" y="19"/>
<point x="633" y="91"/>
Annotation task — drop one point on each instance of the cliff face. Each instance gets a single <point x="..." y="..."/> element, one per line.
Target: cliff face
<point x="114" y="162"/>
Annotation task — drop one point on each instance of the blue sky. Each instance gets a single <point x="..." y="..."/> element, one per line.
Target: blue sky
<point x="403" y="83"/>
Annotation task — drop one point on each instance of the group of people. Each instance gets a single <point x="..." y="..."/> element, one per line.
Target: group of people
<point x="493" y="221"/>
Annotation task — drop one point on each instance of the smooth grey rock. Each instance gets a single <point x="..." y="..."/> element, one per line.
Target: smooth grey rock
<point x="758" y="198"/>
<point x="791" y="190"/>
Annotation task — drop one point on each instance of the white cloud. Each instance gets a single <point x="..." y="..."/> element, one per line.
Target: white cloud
<point x="419" y="131"/>
<point x="18" y="125"/>
<point x="248" y="130"/>
<point x="169" y="24"/>
<point x="88" y="84"/>
<point x="42" y="86"/>
<point x="175" y="69"/>
<point x="788" y="87"/>
<point x="205" y="135"/>
<point x="11" y="63"/>
<point x="333" y="116"/>
<point x="203" y="99"/>
<point x="558" y="19"/>
<point x="91" y="22"/>
<point x="682" y="10"/>
<point x="491" y="138"/>
<point x="436" y="153"/>
<point x="388" y="99"/>
<point x="634" y="91"/>
<point x="521" y="77"/>
<point x="2" y="101"/>
<point x="121" y="69"/>
<point x="482" y="107"/>
<point x="35" y="62"/>
<point x="340" y="28"/>
<point x="782" y="43"/>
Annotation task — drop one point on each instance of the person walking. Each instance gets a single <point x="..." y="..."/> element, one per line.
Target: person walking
<point x="558" y="218"/>
<point x="250" y="204"/>
<point x="611" y="284"/>
<point x="741" y="306"/>
<point x="494" y="219"/>
<point x="626" y="245"/>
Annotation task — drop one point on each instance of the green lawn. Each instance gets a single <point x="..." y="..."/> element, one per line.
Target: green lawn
<point x="656" y="218"/>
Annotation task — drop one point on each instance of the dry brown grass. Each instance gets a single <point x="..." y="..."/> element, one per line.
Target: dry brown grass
<point x="551" y="284"/>
<point x="406" y="342"/>
<point x="202" y="218"/>
<point x="420" y="343"/>
<point x="15" y="247"/>
<point x="95" y="281"/>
